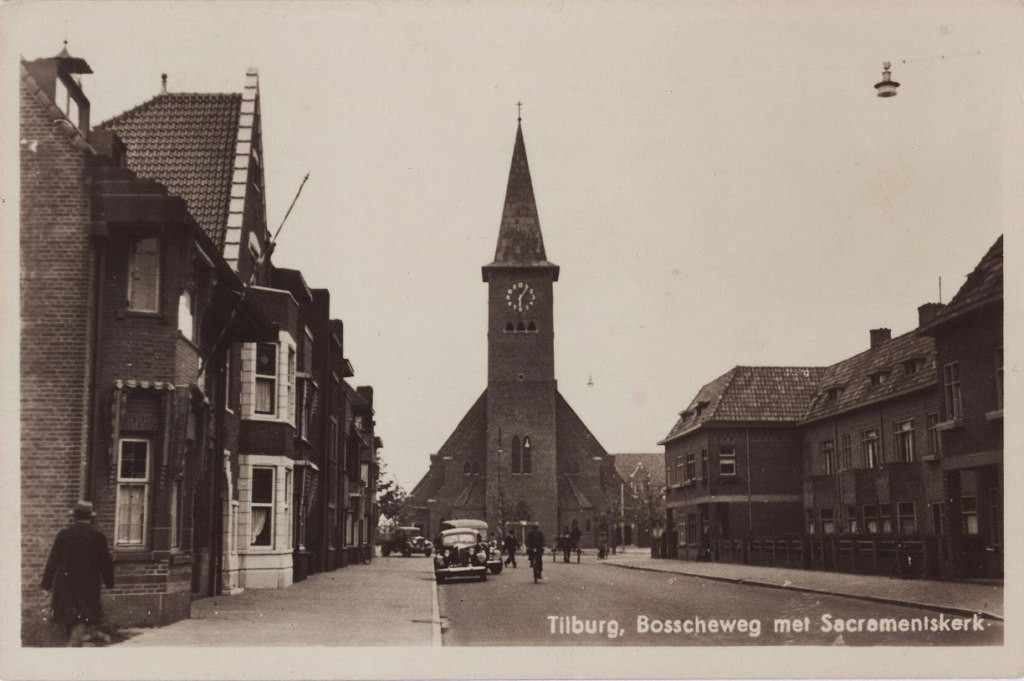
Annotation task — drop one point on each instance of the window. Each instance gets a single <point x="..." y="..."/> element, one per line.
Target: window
<point x="847" y="461"/>
<point x="186" y="314"/>
<point x="704" y="463"/>
<point x="679" y="469"/>
<point x="912" y="366"/>
<point x="871" y="519"/>
<point x="291" y="385"/>
<point x="828" y="457"/>
<point x="691" y="528"/>
<point x="175" y="513"/>
<point x="951" y="380"/>
<point x="828" y="521"/>
<point x="833" y="394"/>
<point x="939" y="517"/>
<point x="266" y="378"/>
<point x="307" y="399"/>
<point x="999" y="377"/>
<point x="885" y="515"/>
<point x="144" y="276"/>
<point x="531" y="328"/>
<point x="517" y="465"/>
<point x="691" y="466"/>
<point x="132" y="492"/>
<point x="527" y="456"/>
<point x="812" y="526"/>
<point x="520" y="328"/>
<point x="879" y="377"/>
<point x="869" y="448"/>
<point x="851" y="519"/>
<point x="288" y="493"/>
<point x="903" y="433"/>
<point x="727" y="461"/>
<point x="509" y="328"/>
<point x="934" y="441"/>
<point x="969" y="511"/>
<point x="906" y="515"/>
<point x="262" y="506"/>
<point x="467" y="469"/>
<point x="227" y="379"/>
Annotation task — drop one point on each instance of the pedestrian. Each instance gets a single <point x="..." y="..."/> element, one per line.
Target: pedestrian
<point x="511" y="546"/>
<point x="79" y="561"/>
<point x="535" y="547"/>
<point x="574" y="541"/>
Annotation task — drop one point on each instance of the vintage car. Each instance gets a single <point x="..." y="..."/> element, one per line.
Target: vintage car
<point x="404" y="541"/>
<point x="461" y="552"/>
<point x="494" y="563"/>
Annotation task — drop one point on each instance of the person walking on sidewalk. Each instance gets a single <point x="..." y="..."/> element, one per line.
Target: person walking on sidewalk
<point x="535" y="547"/>
<point x="511" y="546"/>
<point x="79" y="561"/>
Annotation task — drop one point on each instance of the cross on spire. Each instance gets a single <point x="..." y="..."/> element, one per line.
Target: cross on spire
<point x="519" y="106"/>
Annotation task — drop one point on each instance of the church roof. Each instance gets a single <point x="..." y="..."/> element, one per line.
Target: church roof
<point x="983" y="286"/>
<point x="520" y="242"/>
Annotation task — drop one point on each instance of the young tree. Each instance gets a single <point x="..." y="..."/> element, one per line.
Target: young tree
<point x="392" y="499"/>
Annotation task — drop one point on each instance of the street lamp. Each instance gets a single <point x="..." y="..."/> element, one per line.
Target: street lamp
<point x="887" y="87"/>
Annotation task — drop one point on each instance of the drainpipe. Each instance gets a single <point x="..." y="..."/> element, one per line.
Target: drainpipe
<point x="93" y="432"/>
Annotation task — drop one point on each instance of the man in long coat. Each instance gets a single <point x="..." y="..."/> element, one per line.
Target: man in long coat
<point x="511" y="546"/>
<point x="79" y="561"/>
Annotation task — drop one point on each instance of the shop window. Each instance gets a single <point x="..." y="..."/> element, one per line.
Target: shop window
<point x="828" y="457"/>
<point x="951" y="382"/>
<point x="262" y="507"/>
<point x="828" y="521"/>
<point x="266" y="378"/>
<point x="144" y="276"/>
<point x="906" y="514"/>
<point x="133" y="471"/>
<point x="871" y="518"/>
<point x="727" y="461"/>
<point x="885" y="517"/>
<point x="903" y="433"/>
<point x="969" y="510"/>
<point x="527" y="456"/>
<point x="869" y="448"/>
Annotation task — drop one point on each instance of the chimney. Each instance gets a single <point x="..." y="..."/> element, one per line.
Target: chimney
<point x="879" y="336"/>
<point x="928" y="312"/>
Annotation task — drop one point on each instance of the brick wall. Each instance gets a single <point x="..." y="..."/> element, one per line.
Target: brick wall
<point x="56" y="342"/>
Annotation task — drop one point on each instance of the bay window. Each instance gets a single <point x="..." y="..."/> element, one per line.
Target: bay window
<point x="262" y="506"/>
<point x="133" y="472"/>
<point x="266" y="378"/>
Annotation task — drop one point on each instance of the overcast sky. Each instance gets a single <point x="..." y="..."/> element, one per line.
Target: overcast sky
<point x="718" y="181"/>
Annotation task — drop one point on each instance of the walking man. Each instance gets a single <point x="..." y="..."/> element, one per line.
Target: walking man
<point x="511" y="546"/>
<point x="79" y="561"/>
<point x="535" y="547"/>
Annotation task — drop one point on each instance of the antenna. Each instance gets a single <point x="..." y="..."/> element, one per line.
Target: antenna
<point x="940" y="289"/>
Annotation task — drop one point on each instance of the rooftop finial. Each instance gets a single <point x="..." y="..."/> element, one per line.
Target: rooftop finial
<point x="519" y="106"/>
<point x="163" y="79"/>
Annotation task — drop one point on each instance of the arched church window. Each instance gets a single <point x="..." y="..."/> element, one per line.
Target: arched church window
<point x="476" y="468"/>
<point x="516" y="460"/>
<point x="531" y="327"/>
<point x="520" y="328"/>
<point x="509" y="328"/>
<point x="466" y="469"/>
<point x="527" y="456"/>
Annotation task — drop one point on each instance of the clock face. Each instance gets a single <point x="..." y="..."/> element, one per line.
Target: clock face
<point x="520" y="297"/>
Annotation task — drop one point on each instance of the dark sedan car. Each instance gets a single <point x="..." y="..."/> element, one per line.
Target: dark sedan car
<point x="461" y="552"/>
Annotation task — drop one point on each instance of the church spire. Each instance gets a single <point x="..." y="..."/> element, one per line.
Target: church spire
<point x="520" y="242"/>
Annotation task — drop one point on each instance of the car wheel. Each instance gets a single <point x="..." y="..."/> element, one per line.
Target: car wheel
<point x="407" y="552"/>
<point x="427" y="553"/>
<point x="496" y="569"/>
<point x="385" y="551"/>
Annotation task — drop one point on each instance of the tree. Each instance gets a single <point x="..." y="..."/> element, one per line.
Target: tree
<point x="646" y="511"/>
<point x="392" y="499"/>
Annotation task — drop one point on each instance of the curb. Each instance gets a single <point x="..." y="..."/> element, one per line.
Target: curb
<point x="821" y="592"/>
<point x="435" y="616"/>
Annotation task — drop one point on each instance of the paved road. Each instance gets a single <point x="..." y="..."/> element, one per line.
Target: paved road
<point x="509" y="609"/>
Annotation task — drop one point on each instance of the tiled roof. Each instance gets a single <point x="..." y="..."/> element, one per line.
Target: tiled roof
<point x="852" y="377"/>
<point x="984" y="284"/>
<point x="187" y="143"/>
<point x="653" y="463"/>
<point x="765" y="394"/>
<point x="571" y="496"/>
<point x="520" y="242"/>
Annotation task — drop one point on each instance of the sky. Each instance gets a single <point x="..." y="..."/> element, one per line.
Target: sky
<point x="718" y="181"/>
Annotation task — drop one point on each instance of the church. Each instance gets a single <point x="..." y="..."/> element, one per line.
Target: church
<point x="521" y="454"/>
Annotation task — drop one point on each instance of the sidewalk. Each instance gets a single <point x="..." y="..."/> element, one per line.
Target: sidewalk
<point x="390" y="602"/>
<point x="952" y="597"/>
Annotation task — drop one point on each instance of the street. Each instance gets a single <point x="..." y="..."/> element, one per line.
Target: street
<point x="509" y="609"/>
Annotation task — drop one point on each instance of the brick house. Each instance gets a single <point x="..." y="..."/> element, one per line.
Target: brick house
<point x="732" y="460"/>
<point x="968" y="337"/>
<point x="520" y="453"/>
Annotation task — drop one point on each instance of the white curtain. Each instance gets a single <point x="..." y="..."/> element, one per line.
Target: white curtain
<point x="259" y="521"/>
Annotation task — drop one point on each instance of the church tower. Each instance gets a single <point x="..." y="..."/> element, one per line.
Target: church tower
<point x="521" y="386"/>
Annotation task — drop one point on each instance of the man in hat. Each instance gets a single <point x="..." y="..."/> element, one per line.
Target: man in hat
<point x="78" y="562"/>
<point x="535" y="548"/>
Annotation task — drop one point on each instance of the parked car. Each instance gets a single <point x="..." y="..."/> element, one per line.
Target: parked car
<point x="402" y="540"/>
<point x="461" y="552"/>
<point x="494" y="562"/>
<point x="422" y="545"/>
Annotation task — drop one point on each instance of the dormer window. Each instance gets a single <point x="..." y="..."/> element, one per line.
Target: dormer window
<point x="879" y="377"/>
<point x="912" y="366"/>
<point x="833" y="394"/>
<point x="699" y="409"/>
